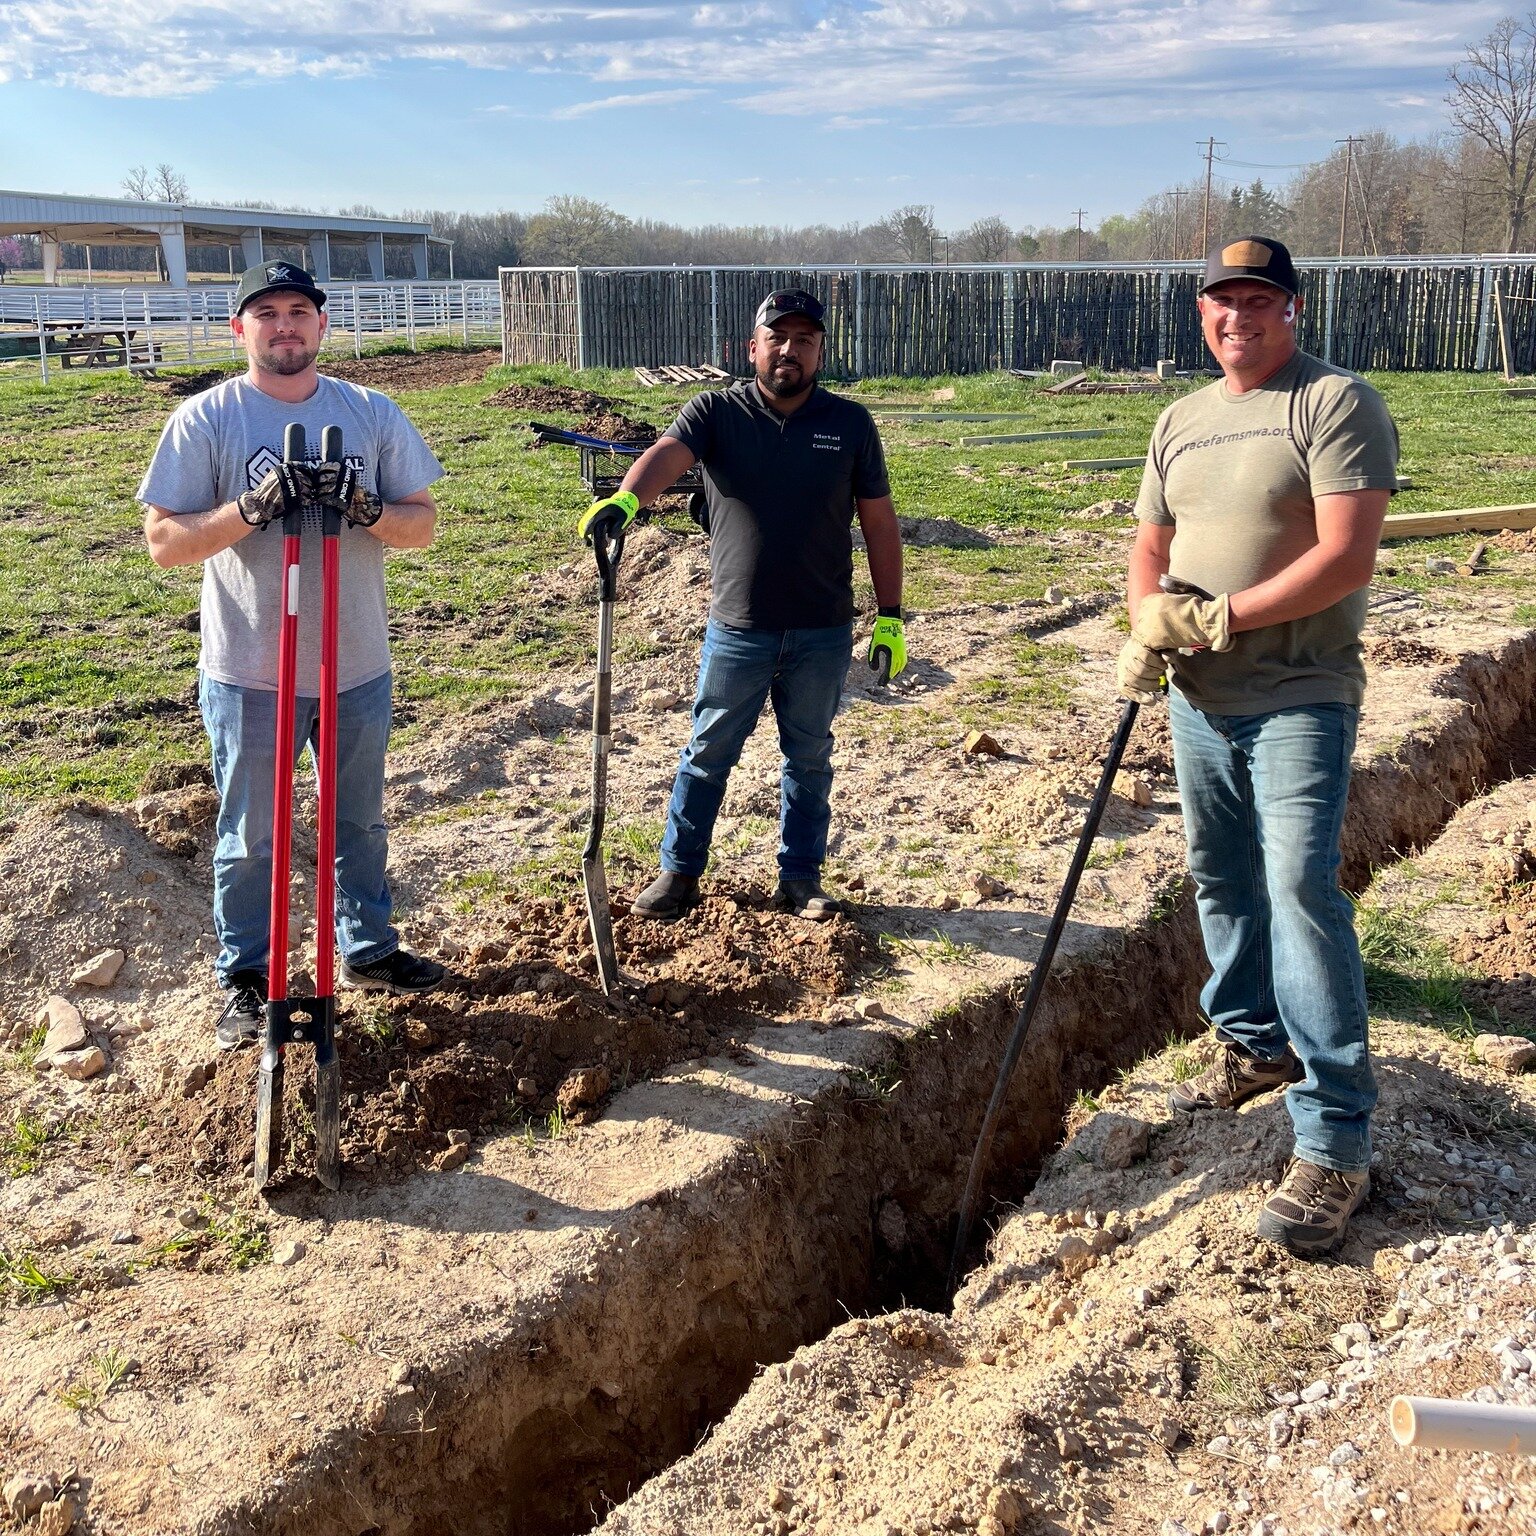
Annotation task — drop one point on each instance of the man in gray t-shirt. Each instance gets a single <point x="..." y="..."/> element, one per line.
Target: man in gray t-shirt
<point x="212" y="494"/>
<point x="1268" y="490"/>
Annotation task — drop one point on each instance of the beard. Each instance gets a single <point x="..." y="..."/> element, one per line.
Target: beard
<point x="785" y="379"/>
<point x="291" y="360"/>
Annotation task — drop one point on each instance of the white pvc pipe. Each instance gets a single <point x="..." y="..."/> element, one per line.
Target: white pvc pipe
<point x="1444" y="1424"/>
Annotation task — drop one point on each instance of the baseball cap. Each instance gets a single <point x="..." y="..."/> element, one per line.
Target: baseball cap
<point x="790" y="301"/>
<point x="1255" y="257"/>
<point x="272" y="277"/>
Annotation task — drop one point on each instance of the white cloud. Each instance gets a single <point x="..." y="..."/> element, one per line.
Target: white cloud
<point x="844" y="63"/>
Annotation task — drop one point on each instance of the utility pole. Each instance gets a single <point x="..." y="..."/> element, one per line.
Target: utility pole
<point x="1178" y="193"/>
<point x="1205" y="218"/>
<point x="1080" y="212"/>
<point x="1349" y="165"/>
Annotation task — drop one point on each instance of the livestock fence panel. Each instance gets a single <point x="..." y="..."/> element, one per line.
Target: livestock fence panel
<point x="1389" y="313"/>
<point x="159" y="326"/>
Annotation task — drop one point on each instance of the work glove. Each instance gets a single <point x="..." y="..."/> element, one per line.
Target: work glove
<point x="287" y="488"/>
<point x="1168" y="621"/>
<point x="889" y="635"/>
<point x="339" y="488"/>
<point x="608" y="517"/>
<point x="1139" y="673"/>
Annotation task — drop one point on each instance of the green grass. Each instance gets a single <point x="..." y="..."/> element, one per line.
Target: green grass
<point x="243" y="1239"/>
<point x="105" y="1371"/>
<point x="24" y="1057"/>
<point x="98" y="672"/>
<point x="24" y="1148"/>
<point x="1409" y="968"/>
<point x="23" y="1278"/>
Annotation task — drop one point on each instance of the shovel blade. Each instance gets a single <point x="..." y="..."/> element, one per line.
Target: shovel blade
<point x="594" y="880"/>
<point x="328" y="1122"/>
<point x="269" y="1116"/>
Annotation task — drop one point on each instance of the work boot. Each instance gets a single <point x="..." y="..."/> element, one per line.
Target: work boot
<point x="1312" y="1207"/>
<point x="1232" y="1078"/>
<point x="397" y="972"/>
<point x="668" y="897"/>
<point x="805" y="898"/>
<point x="244" y="1019"/>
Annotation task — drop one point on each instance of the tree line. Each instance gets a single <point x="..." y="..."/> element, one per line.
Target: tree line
<point x="1465" y="189"/>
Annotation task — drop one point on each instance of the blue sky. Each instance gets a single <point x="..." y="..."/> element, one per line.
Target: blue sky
<point x="751" y="112"/>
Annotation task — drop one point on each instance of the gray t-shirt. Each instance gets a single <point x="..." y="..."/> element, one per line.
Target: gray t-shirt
<point x="223" y="442"/>
<point x="1236" y="476"/>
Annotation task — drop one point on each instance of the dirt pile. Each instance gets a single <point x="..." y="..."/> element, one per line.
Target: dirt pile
<point x="391" y="373"/>
<point x="500" y="1044"/>
<point x="534" y="398"/>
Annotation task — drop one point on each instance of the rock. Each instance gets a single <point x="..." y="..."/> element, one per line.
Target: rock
<point x="979" y="743"/>
<point x="453" y="1157"/>
<point x="583" y="1089"/>
<point x="870" y="1008"/>
<point x="1069" y="1444"/>
<point x="100" y="970"/>
<point x="1131" y="788"/>
<point x="458" y="1138"/>
<point x="1315" y="1392"/>
<point x="854" y="883"/>
<point x="659" y="700"/>
<point x="1053" y="595"/>
<point x="26" y="1493"/>
<point x="1075" y="1256"/>
<point x="80" y="1065"/>
<point x="1440" y="567"/>
<point x="195" y="1078"/>
<point x="66" y="1029"/>
<point x="1006" y="1512"/>
<point x="57" y="1518"/>
<point x="193" y="1219"/>
<point x="988" y="887"/>
<point x="286" y="1255"/>
<point x="1169" y="1432"/>
<point x="1126" y="1143"/>
<point x="1505" y="1053"/>
<point x="527" y="1089"/>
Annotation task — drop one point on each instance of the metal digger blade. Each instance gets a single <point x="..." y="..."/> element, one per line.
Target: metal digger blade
<point x="594" y="880"/>
<point x="269" y="1114"/>
<point x="328" y="1118"/>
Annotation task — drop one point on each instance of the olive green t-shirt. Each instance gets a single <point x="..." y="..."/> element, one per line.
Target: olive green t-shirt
<point x="1235" y="476"/>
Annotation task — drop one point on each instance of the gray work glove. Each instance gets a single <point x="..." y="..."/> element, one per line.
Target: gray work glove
<point x="287" y="488"/>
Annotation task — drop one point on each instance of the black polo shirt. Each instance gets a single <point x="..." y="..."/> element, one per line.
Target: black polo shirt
<point x="781" y="495"/>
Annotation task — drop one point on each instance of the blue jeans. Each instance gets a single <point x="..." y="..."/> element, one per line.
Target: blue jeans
<point x="802" y="671"/>
<point x="1263" y="799"/>
<point x="242" y="726"/>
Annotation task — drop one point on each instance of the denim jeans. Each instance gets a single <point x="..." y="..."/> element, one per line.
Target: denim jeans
<point x="242" y="727"/>
<point x="802" y="671"/>
<point x="1263" y="798"/>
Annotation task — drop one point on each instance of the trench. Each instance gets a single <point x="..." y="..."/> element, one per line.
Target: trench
<point x="541" y="1428"/>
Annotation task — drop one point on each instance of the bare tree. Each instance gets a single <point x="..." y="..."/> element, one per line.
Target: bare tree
<point x="169" y="185"/>
<point x="1493" y="98"/>
<point x="909" y="232"/>
<point x="988" y="239"/>
<point x="138" y="184"/>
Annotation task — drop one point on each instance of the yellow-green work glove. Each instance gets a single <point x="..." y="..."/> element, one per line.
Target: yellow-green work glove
<point x="610" y="516"/>
<point x="1169" y="622"/>
<point x="1139" y="673"/>
<point x="889" y="635"/>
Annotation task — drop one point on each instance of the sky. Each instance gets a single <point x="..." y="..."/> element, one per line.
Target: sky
<point x="739" y="112"/>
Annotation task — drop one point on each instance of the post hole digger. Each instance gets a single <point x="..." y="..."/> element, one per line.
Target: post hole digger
<point x="305" y="1019"/>
<point x="1041" y="973"/>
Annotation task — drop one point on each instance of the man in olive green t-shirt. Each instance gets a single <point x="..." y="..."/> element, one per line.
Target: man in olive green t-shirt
<point x="1267" y="490"/>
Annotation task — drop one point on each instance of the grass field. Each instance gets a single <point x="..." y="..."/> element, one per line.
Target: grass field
<point x="97" y="664"/>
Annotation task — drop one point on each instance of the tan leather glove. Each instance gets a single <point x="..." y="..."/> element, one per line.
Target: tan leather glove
<point x="1139" y="673"/>
<point x="1169" y="622"/>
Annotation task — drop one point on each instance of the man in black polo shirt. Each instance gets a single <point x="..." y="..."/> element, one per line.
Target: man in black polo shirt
<point x="786" y="467"/>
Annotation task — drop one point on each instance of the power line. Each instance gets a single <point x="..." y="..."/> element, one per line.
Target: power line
<point x="1205" y="221"/>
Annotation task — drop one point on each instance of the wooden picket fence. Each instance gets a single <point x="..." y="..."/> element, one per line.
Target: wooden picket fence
<point x="1401" y="313"/>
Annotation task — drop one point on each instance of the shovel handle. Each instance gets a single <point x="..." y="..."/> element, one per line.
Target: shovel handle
<point x="1176" y="586"/>
<point x="608" y="548"/>
<point x="882" y="666"/>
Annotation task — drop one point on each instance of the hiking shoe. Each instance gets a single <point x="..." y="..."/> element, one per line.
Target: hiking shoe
<point x="668" y="897"/>
<point x="1312" y="1207"/>
<point x="244" y="1020"/>
<point x="398" y="971"/>
<point x="1232" y="1078"/>
<point x="805" y="898"/>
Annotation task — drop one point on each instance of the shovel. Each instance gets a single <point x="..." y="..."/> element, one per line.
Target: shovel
<point x="303" y="1019"/>
<point x="609" y="548"/>
<point x="1042" y="969"/>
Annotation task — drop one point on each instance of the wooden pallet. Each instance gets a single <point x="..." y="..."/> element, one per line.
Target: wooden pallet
<point x="682" y="373"/>
<point x="1081" y="384"/>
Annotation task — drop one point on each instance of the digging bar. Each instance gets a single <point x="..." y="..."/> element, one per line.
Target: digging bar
<point x="1041" y="973"/>
<point x="609" y="549"/>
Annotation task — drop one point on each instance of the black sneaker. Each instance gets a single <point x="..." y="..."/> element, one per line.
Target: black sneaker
<point x="668" y="897"/>
<point x="398" y="971"/>
<point x="805" y="898"/>
<point x="244" y="1019"/>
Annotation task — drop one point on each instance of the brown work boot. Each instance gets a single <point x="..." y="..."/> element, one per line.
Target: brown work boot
<point x="1312" y="1207"/>
<point x="1232" y="1078"/>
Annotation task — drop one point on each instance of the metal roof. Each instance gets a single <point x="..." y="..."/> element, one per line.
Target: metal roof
<point x="127" y="221"/>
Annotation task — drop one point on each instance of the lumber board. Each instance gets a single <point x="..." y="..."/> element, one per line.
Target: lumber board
<point x="950" y="415"/>
<point x="1425" y="525"/>
<point x="1135" y="463"/>
<point x="1034" y="437"/>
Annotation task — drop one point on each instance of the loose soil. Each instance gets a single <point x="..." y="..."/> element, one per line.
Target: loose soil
<point x="388" y="372"/>
<point x="470" y="1277"/>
